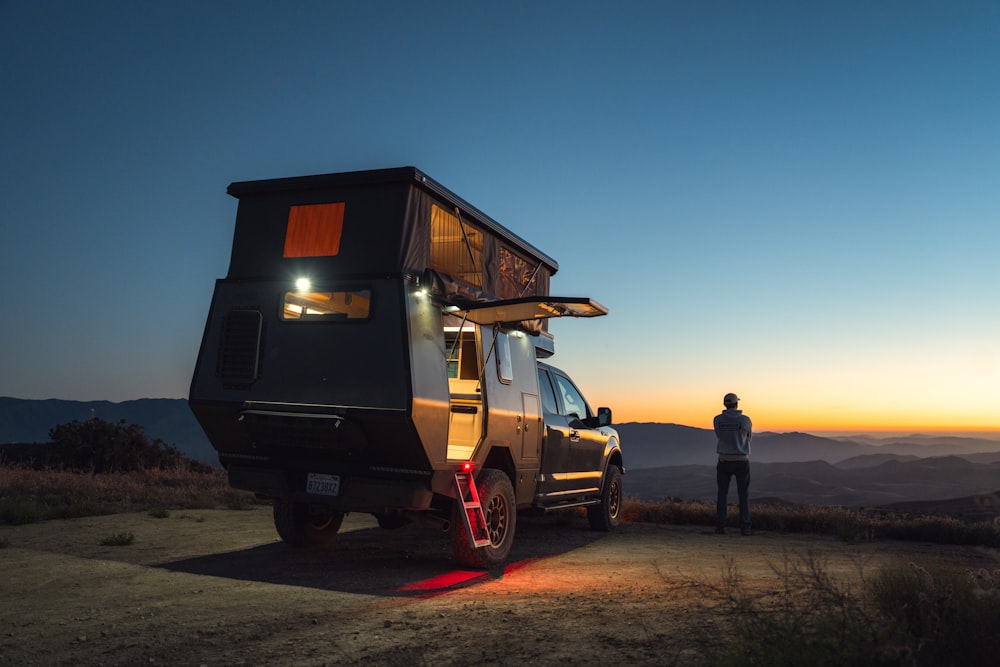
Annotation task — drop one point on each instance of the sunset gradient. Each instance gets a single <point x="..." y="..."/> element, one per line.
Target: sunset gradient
<point x="793" y="201"/>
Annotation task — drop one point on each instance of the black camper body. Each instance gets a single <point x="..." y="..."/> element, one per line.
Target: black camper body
<point x="375" y="336"/>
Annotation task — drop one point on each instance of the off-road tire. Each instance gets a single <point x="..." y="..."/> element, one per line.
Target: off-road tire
<point x="496" y="494"/>
<point x="608" y="513"/>
<point x="297" y="527"/>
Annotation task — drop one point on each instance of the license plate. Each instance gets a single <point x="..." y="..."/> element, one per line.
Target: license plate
<point x="323" y="485"/>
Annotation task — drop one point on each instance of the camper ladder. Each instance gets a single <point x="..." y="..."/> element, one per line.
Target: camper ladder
<point x="472" y="510"/>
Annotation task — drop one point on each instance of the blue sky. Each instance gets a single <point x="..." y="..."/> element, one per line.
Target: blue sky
<point x="794" y="201"/>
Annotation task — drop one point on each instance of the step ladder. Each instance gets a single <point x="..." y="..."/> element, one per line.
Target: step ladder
<point x="472" y="510"/>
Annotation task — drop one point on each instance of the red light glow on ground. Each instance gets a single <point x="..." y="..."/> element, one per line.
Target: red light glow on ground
<point x="454" y="579"/>
<point x="443" y="582"/>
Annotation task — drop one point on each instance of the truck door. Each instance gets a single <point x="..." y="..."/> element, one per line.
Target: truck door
<point x="571" y="452"/>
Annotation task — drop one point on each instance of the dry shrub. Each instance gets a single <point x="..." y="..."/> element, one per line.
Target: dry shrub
<point x="28" y="495"/>
<point x="905" y="614"/>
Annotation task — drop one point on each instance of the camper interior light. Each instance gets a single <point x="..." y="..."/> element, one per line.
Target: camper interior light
<point x="303" y="285"/>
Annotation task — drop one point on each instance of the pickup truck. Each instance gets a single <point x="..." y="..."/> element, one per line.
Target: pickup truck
<point x="379" y="345"/>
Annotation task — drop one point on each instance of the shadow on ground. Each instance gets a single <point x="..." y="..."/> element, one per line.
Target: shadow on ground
<point x="410" y="561"/>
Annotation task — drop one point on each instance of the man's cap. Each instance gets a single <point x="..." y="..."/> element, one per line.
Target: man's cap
<point x="730" y="399"/>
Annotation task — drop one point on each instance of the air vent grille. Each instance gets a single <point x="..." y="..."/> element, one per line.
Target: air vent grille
<point x="239" y="350"/>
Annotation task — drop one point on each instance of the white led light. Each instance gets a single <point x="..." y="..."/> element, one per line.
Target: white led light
<point x="303" y="284"/>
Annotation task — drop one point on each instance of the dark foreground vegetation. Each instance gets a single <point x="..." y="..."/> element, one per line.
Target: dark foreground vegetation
<point x="98" y="446"/>
<point x="98" y="467"/>
<point x="903" y="614"/>
<point x="850" y="525"/>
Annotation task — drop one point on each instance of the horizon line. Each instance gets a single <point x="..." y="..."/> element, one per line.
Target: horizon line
<point x="873" y="432"/>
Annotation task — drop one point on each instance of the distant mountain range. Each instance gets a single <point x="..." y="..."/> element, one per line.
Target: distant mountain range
<point x="652" y="445"/>
<point x="671" y="461"/>
<point x="663" y="460"/>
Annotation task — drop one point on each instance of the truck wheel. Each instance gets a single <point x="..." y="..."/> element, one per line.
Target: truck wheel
<point x="497" y="496"/>
<point x="298" y="528"/>
<point x="608" y="513"/>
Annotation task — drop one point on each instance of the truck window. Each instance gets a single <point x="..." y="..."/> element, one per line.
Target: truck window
<point x="547" y="393"/>
<point x="572" y="400"/>
<point x="345" y="305"/>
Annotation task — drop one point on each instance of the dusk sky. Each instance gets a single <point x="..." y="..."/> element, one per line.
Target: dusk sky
<point x="795" y="201"/>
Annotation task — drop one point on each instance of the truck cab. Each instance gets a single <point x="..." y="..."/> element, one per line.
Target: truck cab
<point x="379" y="345"/>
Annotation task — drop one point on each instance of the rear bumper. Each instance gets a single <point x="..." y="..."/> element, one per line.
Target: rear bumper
<point x="356" y="493"/>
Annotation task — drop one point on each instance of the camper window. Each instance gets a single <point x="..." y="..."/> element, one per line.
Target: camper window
<point x="345" y="305"/>
<point x="456" y="247"/>
<point x="314" y="230"/>
<point x="505" y="369"/>
<point x="463" y="363"/>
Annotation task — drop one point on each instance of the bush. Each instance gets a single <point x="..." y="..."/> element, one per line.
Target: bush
<point x="948" y="617"/>
<point x="905" y="614"/>
<point x="122" y="539"/>
<point x="98" y="446"/>
<point x="809" y="620"/>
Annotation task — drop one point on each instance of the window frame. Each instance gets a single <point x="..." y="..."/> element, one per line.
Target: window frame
<point x="562" y="382"/>
<point x="331" y="317"/>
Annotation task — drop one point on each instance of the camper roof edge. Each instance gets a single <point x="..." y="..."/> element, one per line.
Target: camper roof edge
<point x="240" y="189"/>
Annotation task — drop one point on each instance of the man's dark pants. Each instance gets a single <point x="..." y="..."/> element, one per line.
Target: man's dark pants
<point x="723" y="472"/>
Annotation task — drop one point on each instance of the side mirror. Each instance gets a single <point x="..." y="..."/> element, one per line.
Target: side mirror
<point x="604" y="416"/>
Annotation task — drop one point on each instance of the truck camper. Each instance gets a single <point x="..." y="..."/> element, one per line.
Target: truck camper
<point x="378" y="345"/>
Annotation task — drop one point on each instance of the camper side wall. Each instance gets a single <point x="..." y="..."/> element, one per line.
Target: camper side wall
<point x="514" y="418"/>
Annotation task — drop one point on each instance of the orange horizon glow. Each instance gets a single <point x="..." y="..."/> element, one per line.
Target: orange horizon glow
<point x="874" y="430"/>
<point x="788" y="414"/>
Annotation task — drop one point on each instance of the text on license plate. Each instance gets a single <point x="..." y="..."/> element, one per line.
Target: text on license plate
<point x="324" y="485"/>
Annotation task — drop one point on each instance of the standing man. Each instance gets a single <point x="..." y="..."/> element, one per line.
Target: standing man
<point x="733" y="431"/>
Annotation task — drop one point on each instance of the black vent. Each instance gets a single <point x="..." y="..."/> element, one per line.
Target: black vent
<point x="239" y="351"/>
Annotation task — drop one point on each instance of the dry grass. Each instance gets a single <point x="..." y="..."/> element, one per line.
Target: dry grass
<point x="27" y="496"/>
<point x="851" y="525"/>
<point x="903" y="614"/>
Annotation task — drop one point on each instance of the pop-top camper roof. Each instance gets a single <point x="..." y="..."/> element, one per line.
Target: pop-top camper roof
<point x="387" y="220"/>
<point x="392" y="222"/>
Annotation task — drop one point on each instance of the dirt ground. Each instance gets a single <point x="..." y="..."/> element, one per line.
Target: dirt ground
<point x="218" y="588"/>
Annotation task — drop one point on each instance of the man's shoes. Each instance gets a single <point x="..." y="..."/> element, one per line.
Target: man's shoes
<point x="746" y="532"/>
<point x="719" y="530"/>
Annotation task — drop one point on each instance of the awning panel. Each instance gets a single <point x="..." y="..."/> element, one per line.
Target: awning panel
<point x="531" y="308"/>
